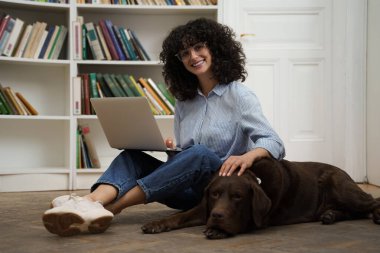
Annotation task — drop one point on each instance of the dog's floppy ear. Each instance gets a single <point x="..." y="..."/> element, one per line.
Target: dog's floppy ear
<point x="261" y="205"/>
<point x="204" y="205"/>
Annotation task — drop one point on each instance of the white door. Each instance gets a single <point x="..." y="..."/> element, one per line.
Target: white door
<point x="289" y="46"/>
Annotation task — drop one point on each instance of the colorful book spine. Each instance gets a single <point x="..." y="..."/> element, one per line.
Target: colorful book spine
<point x="108" y="40"/>
<point x="145" y="84"/>
<point x="6" y="34"/>
<point x="114" y="40"/>
<point x="77" y="104"/>
<point x="94" y="42"/>
<point x="14" y="37"/>
<point x="140" y="46"/>
<point x="49" y="35"/>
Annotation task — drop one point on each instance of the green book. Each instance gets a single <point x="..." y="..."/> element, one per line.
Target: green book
<point x="7" y="102"/>
<point x="166" y="93"/>
<point x="93" y="89"/>
<point x="3" y="105"/>
<point x="124" y="85"/>
<point x="131" y="86"/>
<point x="112" y="86"/>
<point x="103" y="86"/>
<point x="84" y="42"/>
<point x="55" y="42"/>
<point x="121" y="90"/>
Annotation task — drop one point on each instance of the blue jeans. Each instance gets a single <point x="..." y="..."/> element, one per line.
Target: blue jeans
<point x="177" y="183"/>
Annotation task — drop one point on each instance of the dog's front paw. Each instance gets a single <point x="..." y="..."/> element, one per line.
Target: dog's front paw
<point x="155" y="227"/>
<point x="376" y="216"/>
<point x="328" y="217"/>
<point x="212" y="233"/>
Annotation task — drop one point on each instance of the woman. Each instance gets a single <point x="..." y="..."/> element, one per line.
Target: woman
<point x="218" y="123"/>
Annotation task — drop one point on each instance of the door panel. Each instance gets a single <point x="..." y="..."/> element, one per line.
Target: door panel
<point x="287" y="44"/>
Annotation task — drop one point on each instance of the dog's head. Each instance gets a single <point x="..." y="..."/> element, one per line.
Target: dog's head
<point x="235" y="204"/>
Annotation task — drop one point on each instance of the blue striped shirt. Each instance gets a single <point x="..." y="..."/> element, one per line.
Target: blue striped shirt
<point x="229" y="121"/>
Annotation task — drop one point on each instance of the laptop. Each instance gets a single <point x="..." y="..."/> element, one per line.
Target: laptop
<point x="128" y="123"/>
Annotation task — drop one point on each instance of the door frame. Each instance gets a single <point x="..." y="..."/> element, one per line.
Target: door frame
<point x="349" y="35"/>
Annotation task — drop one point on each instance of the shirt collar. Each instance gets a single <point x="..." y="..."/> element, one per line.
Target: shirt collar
<point x="218" y="90"/>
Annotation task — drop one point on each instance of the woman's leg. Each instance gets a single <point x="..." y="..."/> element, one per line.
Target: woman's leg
<point x="81" y="214"/>
<point x="121" y="177"/>
<point x="188" y="171"/>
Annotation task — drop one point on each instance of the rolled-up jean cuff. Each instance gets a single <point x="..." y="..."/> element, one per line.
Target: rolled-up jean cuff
<point x="145" y="190"/>
<point x="118" y="188"/>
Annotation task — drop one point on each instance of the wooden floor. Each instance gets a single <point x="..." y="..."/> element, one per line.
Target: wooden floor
<point x="21" y="230"/>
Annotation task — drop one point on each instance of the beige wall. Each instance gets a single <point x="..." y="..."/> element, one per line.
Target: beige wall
<point x="373" y="92"/>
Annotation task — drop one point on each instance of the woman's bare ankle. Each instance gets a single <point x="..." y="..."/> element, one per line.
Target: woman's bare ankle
<point x="113" y="209"/>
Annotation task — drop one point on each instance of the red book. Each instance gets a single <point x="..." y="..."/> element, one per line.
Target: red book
<point x="3" y="24"/>
<point x="86" y="94"/>
<point x="107" y="37"/>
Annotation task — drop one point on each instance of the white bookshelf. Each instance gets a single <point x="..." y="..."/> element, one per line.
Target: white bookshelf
<point x="39" y="152"/>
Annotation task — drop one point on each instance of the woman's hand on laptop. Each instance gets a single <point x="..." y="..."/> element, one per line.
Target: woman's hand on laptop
<point x="169" y="143"/>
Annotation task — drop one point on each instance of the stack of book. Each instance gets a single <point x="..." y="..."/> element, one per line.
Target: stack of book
<point x="106" y="41"/>
<point x="14" y="103"/>
<point x="87" y="156"/>
<point x="97" y="85"/>
<point x="150" y="2"/>
<point x="51" y="1"/>
<point x="38" y="40"/>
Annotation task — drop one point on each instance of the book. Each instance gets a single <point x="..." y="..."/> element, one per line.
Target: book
<point x="93" y="89"/>
<point x="103" y="43"/>
<point x="136" y="46"/>
<point x="121" y="43"/>
<point x="137" y="86"/>
<point x="155" y="106"/>
<point x="161" y="95"/>
<point x="3" y="105"/>
<point x="108" y="40"/>
<point x="103" y="86"/>
<point x="116" y="92"/>
<point x="86" y="106"/>
<point x="139" y="45"/>
<point x="166" y="92"/>
<point x="121" y="90"/>
<point x="6" y="34"/>
<point x="3" y="24"/>
<point x="94" y="42"/>
<point x="145" y="84"/>
<point x="12" y="97"/>
<point x="13" y="37"/>
<point x="84" y="44"/>
<point x="40" y="45"/>
<point x="25" y="102"/>
<point x="131" y="86"/>
<point x="35" y="39"/>
<point x="125" y="37"/>
<point x="78" y="149"/>
<point x="77" y="40"/>
<point x="124" y="86"/>
<point x="115" y="42"/>
<point x="57" y="48"/>
<point x="77" y="104"/>
<point x="85" y="162"/>
<point x="49" y="35"/>
<point x="101" y="95"/>
<point x="91" y="150"/>
<point x="51" y="41"/>
<point x="12" y="110"/>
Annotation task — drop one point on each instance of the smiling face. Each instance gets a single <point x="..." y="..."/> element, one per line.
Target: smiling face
<point x="197" y="59"/>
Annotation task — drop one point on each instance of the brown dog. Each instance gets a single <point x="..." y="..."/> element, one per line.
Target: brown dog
<point x="290" y="192"/>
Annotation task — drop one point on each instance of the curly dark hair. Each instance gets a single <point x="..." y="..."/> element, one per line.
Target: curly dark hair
<point x="228" y="58"/>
